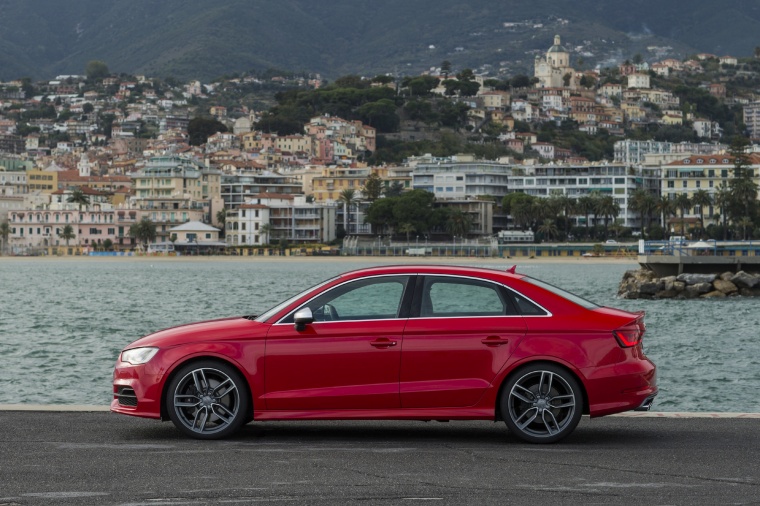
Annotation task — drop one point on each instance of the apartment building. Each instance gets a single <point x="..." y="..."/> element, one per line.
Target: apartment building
<point x="269" y="217"/>
<point x="576" y="181"/>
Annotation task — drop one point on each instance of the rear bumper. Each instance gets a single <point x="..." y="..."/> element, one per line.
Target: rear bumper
<point x="626" y="386"/>
<point x="647" y="404"/>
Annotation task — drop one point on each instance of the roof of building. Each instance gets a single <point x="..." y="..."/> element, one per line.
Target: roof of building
<point x="194" y="226"/>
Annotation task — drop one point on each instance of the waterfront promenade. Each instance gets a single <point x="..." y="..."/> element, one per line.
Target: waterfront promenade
<point x="101" y="458"/>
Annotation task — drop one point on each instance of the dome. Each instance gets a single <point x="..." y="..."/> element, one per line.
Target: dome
<point x="557" y="47"/>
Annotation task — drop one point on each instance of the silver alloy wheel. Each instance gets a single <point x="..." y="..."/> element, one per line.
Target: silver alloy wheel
<point x="542" y="404"/>
<point x="206" y="401"/>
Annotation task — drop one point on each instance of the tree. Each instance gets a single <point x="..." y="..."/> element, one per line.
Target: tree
<point x="458" y="223"/>
<point x="67" y="234"/>
<point x="744" y="224"/>
<point x="607" y="207"/>
<point x="666" y="208"/>
<point x="395" y="189"/>
<point x="722" y="200"/>
<point x="407" y="228"/>
<point x="587" y="206"/>
<point x="380" y="115"/>
<point x="644" y="203"/>
<point x="107" y="245"/>
<point x="144" y="231"/>
<point x="682" y="202"/>
<point x="200" y="129"/>
<point x="348" y="198"/>
<point x="548" y="228"/>
<point x="78" y="197"/>
<point x="373" y="187"/>
<point x="380" y="214"/>
<point x="96" y="69"/>
<point x="702" y="199"/>
<point x="446" y="68"/>
<point x="265" y="230"/>
<point x="5" y="232"/>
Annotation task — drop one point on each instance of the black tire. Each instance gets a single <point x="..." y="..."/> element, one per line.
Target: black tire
<point x="541" y="403"/>
<point x="208" y="400"/>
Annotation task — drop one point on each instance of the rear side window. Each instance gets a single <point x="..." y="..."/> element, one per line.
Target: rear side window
<point x="562" y="293"/>
<point x="455" y="297"/>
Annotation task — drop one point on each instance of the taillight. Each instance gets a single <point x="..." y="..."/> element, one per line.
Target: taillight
<point x="630" y="335"/>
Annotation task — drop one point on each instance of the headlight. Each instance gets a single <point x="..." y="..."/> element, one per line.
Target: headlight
<point x="137" y="356"/>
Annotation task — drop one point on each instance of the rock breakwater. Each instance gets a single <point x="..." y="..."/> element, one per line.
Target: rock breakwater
<point x="644" y="284"/>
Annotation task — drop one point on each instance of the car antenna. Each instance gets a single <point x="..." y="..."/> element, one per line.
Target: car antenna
<point x="512" y="269"/>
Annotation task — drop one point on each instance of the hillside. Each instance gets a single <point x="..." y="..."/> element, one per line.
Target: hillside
<point x="191" y="38"/>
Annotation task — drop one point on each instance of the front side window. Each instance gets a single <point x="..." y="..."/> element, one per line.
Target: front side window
<point x="457" y="297"/>
<point x="377" y="298"/>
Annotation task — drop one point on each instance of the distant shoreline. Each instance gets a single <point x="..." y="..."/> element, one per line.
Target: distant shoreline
<point x="329" y="259"/>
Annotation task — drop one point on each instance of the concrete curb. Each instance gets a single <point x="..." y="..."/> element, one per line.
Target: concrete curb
<point x="73" y="408"/>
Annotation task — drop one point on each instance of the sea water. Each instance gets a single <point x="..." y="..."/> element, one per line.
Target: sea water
<point x="64" y="321"/>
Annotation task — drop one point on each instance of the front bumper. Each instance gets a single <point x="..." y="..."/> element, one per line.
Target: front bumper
<point x="137" y="390"/>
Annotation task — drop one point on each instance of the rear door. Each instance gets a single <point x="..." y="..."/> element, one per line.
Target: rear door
<point x="462" y="332"/>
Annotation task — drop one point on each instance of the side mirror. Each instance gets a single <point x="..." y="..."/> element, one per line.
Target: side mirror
<point x="302" y="318"/>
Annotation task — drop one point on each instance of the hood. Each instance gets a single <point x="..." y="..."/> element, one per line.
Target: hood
<point x="224" y="329"/>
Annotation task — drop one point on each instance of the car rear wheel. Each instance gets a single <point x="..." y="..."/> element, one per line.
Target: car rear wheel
<point x="542" y="403"/>
<point x="208" y="400"/>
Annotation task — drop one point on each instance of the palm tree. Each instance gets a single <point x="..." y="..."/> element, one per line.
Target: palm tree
<point x="666" y="208"/>
<point x="548" y="228"/>
<point x="264" y="230"/>
<point x="67" y="234"/>
<point x="607" y="207"/>
<point x="78" y="197"/>
<point x="407" y="228"/>
<point x="5" y="232"/>
<point x="143" y="231"/>
<point x="683" y="203"/>
<point x="348" y="197"/>
<point x="565" y="205"/>
<point x="744" y="223"/>
<point x="723" y="200"/>
<point x="458" y="223"/>
<point x="586" y="207"/>
<point x="702" y="199"/>
<point x="644" y="203"/>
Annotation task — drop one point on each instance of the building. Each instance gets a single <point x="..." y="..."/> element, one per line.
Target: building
<point x="240" y="186"/>
<point x="455" y="180"/>
<point x="701" y="172"/>
<point x="576" y="181"/>
<point x="268" y="218"/>
<point x="174" y="190"/>
<point x="752" y="120"/>
<point x="551" y="70"/>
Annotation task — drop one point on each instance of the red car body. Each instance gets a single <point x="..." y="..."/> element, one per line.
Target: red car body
<point x="408" y="366"/>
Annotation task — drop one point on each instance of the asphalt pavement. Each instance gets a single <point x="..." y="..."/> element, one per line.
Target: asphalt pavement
<point x="102" y="458"/>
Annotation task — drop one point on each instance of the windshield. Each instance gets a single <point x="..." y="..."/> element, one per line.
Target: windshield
<point x="562" y="293"/>
<point x="282" y="305"/>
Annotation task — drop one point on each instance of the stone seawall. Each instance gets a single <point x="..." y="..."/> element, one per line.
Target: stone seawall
<point x="644" y="284"/>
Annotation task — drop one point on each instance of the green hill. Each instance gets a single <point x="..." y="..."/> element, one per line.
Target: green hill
<point x="193" y="38"/>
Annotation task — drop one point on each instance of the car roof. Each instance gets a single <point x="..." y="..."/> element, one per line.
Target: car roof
<point x="452" y="270"/>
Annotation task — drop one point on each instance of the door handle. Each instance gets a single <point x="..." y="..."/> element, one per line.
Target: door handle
<point x="494" y="341"/>
<point x="382" y="342"/>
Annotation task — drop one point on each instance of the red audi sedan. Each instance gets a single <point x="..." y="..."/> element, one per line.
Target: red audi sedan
<point x="397" y="343"/>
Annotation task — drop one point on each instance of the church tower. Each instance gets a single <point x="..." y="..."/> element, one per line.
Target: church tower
<point x="551" y="69"/>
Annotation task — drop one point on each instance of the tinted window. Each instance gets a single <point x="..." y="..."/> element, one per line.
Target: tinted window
<point x="365" y="299"/>
<point x="449" y="297"/>
<point x="527" y="307"/>
<point x="562" y="293"/>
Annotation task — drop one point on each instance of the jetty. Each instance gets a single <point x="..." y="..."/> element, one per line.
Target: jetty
<point x="672" y="258"/>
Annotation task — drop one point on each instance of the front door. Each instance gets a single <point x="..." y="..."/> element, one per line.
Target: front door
<point x="349" y="358"/>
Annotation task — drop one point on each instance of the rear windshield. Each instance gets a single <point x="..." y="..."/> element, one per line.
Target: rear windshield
<point x="562" y="293"/>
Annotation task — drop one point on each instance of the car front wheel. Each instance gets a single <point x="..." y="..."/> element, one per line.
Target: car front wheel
<point x="542" y="403"/>
<point x="207" y="400"/>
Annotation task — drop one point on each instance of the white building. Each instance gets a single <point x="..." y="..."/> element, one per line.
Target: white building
<point x="270" y="217"/>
